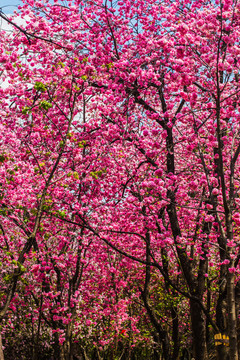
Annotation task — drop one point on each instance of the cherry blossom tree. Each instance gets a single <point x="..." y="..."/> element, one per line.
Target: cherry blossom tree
<point x="123" y="128"/>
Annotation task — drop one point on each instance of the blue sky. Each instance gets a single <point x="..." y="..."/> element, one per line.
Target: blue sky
<point x="8" y="6"/>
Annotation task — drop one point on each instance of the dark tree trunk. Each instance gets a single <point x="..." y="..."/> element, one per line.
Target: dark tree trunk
<point x="232" y="319"/>
<point x="221" y="315"/>
<point x="198" y="331"/>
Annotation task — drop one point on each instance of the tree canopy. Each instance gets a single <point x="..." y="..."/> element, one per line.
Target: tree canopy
<point x="119" y="193"/>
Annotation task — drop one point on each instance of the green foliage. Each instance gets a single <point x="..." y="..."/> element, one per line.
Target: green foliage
<point x="39" y="86"/>
<point x="61" y="64"/>
<point x="22" y="268"/>
<point x="61" y="213"/>
<point x="45" y="105"/>
<point x="98" y="173"/>
<point x="76" y="175"/>
<point x="81" y="144"/>
<point x="26" y="110"/>
<point x="7" y="278"/>
<point x="109" y="66"/>
<point x="2" y="158"/>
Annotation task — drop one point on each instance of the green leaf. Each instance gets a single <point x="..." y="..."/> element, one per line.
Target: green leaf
<point x="26" y="110"/>
<point x="45" y="105"/>
<point x="39" y="86"/>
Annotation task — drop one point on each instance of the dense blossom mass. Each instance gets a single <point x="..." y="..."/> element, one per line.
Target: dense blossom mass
<point x="120" y="181"/>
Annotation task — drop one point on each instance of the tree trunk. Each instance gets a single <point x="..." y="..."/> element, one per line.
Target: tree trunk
<point x="56" y="347"/>
<point x="232" y="319"/>
<point x="175" y="334"/>
<point x="198" y="331"/>
<point x="67" y="346"/>
<point x="221" y="317"/>
<point x="222" y="352"/>
<point x="62" y="355"/>
<point x="1" y="348"/>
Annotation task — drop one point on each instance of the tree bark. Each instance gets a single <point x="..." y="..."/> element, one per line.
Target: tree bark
<point x="196" y="286"/>
<point x="198" y="331"/>
<point x="232" y="319"/>
<point x="221" y="311"/>
<point x="1" y="348"/>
